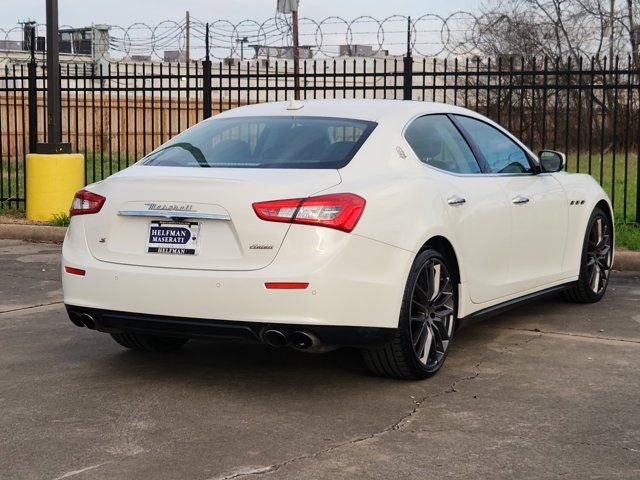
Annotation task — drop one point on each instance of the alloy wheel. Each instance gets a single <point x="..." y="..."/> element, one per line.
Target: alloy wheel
<point x="599" y="253"/>
<point x="432" y="314"/>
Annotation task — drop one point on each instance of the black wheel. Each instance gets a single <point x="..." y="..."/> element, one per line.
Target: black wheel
<point x="595" y="266"/>
<point x="426" y="325"/>
<point x="148" y="343"/>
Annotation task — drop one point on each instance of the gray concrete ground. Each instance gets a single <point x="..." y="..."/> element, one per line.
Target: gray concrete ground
<point x="549" y="390"/>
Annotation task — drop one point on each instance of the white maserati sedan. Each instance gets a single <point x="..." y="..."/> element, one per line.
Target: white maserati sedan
<point x="375" y="224"/>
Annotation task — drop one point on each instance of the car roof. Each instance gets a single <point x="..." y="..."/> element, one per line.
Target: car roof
<point x="365" y="109"/>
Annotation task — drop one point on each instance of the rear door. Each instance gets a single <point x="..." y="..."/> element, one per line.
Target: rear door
<point x="477" y="207"/>
<point x="538" y="206"/>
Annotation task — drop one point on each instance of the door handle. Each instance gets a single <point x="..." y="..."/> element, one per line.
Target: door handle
<point x="456" y="200"/>
<point x="519" y="199"/>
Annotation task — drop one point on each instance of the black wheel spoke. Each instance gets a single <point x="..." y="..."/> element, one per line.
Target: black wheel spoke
<point x="437" y="335"/>
<point x="418" y="304"/>
<point x="443" y="312"/>
<point x="419" y="335"/>
<point x="440" y="325"/>
<point x="430" y="276"/>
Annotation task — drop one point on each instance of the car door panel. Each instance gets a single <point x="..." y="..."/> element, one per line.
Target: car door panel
<point x="478" y="225"/>
<point x="539" y="229"/>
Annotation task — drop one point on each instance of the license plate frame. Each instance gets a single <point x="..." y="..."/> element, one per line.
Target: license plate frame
<point x="171" y="237"/>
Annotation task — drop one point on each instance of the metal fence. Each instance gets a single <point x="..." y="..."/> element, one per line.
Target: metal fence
<point x="589" y="109"/>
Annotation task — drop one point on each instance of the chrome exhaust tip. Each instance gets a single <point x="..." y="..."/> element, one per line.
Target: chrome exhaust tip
<point x="303" y="340"/>
<point x="275" y="338"/>
<point x="88" y="321"/>
<point x="75" y="319"/>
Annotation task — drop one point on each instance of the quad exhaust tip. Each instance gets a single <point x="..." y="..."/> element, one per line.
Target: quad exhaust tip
<point x="303" y="340"/>
<point x="299" y="340"/>
<point x="88" y="321"/>
<point x="275" y="338"/>
<point x="75" y="318"/>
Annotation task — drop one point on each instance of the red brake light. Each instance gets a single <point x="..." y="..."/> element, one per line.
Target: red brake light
<point x="86" y="202"/>
<point x="340" y="210"/>
<point x="278" y="210"/>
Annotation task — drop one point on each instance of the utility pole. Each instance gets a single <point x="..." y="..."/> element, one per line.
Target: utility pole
<point x="296" y="56"/>
<point x="54" y="120"/>
<point x="188" y="40"/>
<point x="242" y="41"/>
<point x="407" y="74"/>
<point x="291" y="6"/>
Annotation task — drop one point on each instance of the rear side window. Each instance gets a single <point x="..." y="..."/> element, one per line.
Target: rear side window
<point x="265" y="142"/>
<point x="437" y="142"/>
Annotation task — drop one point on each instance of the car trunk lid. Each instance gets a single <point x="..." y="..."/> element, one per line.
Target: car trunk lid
<point x="229" y="235"/>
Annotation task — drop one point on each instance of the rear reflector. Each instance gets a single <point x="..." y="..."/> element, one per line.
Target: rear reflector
<point x="340" y="210"/>
<point x="286" y="285"/>
<point x="75" y="271"/>
<point x="86" y="202"/>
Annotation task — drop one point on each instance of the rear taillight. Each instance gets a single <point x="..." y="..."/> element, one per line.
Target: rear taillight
<point x="340" y="210"/>
<point x="86" y="202"/>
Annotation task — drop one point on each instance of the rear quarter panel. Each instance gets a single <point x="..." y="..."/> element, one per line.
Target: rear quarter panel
<point x="404" y="205"/>
<point x="585" y="193"/>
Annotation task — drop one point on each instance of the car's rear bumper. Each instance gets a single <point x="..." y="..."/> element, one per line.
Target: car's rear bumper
<point x="248" y="332"/>
<point x="353" y="282"/>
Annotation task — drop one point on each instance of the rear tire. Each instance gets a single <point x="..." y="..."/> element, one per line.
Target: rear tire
<point x="426" y="325"/>
<point x="148" y="343"/>
<point x="595" y="264"/>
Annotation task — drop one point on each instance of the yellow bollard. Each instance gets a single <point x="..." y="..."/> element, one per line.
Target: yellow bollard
<point x="52" y="180"/>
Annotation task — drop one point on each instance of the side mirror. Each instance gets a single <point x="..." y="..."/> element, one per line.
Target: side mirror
<point x="552" y="161"/>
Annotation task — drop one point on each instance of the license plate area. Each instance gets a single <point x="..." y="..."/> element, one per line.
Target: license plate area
<point x="173" y="238"/>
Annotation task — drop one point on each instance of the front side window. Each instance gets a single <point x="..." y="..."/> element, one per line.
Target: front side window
<point x="265" y="142"/>
<point x="499" y="152"/>
<point x="437" y="142"/>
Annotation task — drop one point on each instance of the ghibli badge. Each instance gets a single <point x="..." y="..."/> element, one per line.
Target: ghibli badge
<point x="257" y="246"/>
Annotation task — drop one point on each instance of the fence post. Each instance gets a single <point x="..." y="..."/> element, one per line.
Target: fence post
<point x="407" y="80"/>
<point x="33" y="93"/>
<point x="638" y="161"/>
<point x="206" y="78"/>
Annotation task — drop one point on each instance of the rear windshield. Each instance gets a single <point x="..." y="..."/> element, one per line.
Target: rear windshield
<point x="265" y="142"/>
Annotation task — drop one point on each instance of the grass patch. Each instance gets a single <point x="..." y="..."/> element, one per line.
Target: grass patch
<point x="617" y="174"/>
<point x="61" y="220"/>
<point x="99" y="167"/>
<point x="628" y="235"/>
<point x="10" y="211"/>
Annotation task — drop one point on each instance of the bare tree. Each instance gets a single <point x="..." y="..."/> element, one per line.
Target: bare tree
<point x="556" y="28"/>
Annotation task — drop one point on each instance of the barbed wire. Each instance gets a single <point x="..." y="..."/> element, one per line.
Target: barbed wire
<point x="429" y="35"/>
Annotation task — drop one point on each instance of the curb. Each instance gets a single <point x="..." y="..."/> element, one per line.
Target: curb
<point x="625" y="260"/>
<point x="33" y="233"/>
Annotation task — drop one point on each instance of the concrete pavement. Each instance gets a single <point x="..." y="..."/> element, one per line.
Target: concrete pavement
<point x="549" y="390"/>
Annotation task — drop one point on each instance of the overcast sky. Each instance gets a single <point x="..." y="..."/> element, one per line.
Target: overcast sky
<point x="125" y="12"/>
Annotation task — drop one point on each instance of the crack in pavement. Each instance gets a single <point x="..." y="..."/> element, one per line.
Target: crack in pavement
<point x="567" y="334"/>
<point x="277" y="466"/>
<point x="19" y="309"/>
<point x="397" y="426"/>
